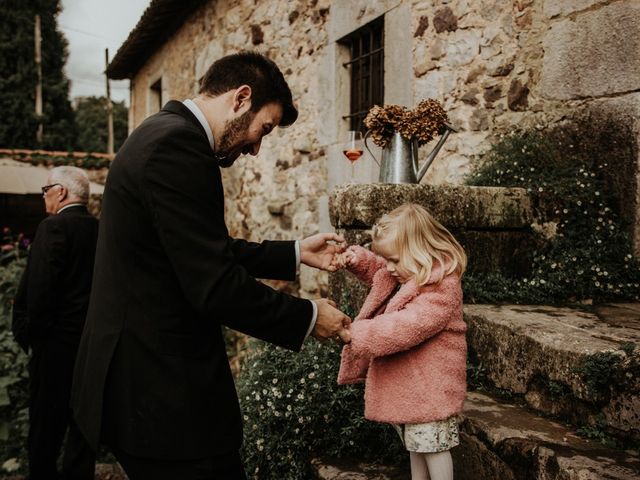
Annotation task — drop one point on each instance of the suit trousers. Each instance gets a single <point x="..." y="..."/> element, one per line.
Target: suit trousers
<point x="50" y="372"/>
<point x="79" y="464"/>
<point x="220" y="467"/>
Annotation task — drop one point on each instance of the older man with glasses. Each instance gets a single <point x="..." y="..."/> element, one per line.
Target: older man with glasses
<point x="50" y="310"/>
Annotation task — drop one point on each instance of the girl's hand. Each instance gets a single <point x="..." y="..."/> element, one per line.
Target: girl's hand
<point x="344" y="259"/>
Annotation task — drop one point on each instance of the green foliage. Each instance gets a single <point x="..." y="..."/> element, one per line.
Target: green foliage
<point x="598" y="432"/>
<point x="476" y="376"/>
<point x="599" y="371"/>
<point x="18" y="82"/>
<point x="91" y="117"/>
<point x="578" y="196"/>
<point x="558" y="390"/>
<point x="295" y="411"/>
<point x="628" y="348"/>
<point x="13" y="361"/>
<point x="76" y="159"/>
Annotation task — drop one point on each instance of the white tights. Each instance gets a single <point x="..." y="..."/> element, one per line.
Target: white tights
<point x="431" y="466"/>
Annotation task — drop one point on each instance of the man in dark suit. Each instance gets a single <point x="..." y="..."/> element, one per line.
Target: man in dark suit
<point x="152" y="378"/>
<point x="50" y="311"/>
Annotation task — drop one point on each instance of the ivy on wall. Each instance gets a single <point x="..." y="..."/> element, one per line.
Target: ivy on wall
<point x="581" y="194"/>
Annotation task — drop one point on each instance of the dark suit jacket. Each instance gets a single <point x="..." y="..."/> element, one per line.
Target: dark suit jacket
<point x="53" y="296"/>
<point x="152" y="362"/>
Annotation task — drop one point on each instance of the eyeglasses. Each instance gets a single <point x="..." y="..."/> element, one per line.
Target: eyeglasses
<point x="46" y="188"/>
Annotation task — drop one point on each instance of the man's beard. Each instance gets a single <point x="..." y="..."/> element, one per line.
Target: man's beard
<point x="234" y="130"/>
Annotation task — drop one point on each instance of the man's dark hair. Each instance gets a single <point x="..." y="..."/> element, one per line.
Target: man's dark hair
<point x="261" y="74"/>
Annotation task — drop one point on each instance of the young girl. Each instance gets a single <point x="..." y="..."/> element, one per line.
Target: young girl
<point x="408" y="341"/>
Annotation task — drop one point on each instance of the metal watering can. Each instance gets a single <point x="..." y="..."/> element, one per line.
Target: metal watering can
<point x="400" y="158"/>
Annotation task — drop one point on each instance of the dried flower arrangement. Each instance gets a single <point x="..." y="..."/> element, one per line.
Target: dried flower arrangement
<point x="423" y="123"/>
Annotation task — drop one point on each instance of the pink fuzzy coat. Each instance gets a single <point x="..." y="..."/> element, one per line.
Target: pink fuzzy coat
<point x="413" y="356"/>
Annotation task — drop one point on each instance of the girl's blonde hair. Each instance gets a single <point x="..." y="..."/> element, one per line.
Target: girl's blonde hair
<point x="420" y="240"/>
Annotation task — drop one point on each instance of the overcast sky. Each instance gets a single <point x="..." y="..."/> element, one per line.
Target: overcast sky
<point x="90" y="26"/>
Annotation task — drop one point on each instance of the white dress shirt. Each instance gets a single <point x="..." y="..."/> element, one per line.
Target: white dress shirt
<point x="71" y="205"/>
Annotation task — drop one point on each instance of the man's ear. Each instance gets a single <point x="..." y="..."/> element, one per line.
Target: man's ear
<point x="242" y="98"/>
<point x="64" y="193"/>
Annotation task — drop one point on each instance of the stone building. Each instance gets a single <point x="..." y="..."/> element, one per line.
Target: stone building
<point x="495" y="65"/>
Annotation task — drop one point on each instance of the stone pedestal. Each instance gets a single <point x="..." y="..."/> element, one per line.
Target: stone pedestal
<point x="492" y="224"/>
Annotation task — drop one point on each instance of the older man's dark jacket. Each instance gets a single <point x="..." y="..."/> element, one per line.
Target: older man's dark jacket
<point x="152" y="369"/>
<point x="49" y="314"/>
<point x="52" y="298"/>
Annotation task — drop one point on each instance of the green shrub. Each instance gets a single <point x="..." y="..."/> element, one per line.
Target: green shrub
<point x="294" y="411"/>
<point x="13" y="361"/>
<point x="578" y="202"/>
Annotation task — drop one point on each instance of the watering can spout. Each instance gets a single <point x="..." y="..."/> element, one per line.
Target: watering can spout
<point x="399" y="163"/>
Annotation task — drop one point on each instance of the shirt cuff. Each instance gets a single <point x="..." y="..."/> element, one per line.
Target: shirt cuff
<point x="297" y="248"/>
<point x="314" y="317"/>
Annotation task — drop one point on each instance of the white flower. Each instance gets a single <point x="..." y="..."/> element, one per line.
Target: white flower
<point x="274" y="381"/>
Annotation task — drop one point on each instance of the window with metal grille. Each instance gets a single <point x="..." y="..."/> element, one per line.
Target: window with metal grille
<point x="366" y="46"/>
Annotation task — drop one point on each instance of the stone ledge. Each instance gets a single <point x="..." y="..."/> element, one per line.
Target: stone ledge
<point x="327" y="469"/>
<point x="537" y="351"/>
<point x="504" y="441"/>
<point x="509" y="252"/>
<point x="360" y="205"/>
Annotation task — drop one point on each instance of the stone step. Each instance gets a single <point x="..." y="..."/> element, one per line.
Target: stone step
<point x="582" y="366"/>
<point x="501" y="441"/>
<point x="506" y="442"/>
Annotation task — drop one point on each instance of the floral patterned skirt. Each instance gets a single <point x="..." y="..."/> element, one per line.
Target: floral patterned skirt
<point x="429" y="437"/>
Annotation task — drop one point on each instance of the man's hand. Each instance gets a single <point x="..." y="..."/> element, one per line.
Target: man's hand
<point x="331" y="322"/>
<point x="318" y="250"/>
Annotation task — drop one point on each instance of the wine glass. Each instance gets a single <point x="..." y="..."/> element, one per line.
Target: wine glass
<point x="352" y="148"/>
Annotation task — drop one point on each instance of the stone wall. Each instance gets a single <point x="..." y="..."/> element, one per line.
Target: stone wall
<point x="496" y="65"/>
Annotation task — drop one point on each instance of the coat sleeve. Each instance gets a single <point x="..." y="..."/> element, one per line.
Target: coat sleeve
<point x="366" y="264"/>
<point x="44" y="271"/>
<point x="183" y="190"/>
<point x="274" y="260"/>
<point x="353" y="369"/>
<point x="422" y="318"/>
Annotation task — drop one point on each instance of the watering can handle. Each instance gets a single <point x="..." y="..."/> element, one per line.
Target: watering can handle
<point x="368" y="149"/>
